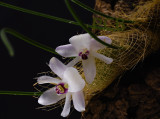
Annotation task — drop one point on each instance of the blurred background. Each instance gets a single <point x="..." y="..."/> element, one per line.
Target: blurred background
<point x="18" y="72"/>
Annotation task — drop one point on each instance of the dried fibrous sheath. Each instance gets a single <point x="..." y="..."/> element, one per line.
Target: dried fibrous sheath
<point x="136" y="41"/>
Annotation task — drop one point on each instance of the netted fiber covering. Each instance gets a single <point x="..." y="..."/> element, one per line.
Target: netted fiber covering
<point x="135" y="42"/>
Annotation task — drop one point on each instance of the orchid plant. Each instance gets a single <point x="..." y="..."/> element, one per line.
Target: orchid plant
<point x="84" y="48"/>
<point x="70" y="86"/>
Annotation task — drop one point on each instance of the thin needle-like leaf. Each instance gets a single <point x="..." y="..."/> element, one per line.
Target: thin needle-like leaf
<point x="45" y="15"/>
<point x="72" y="11"/>
<point x="20" y="93"/>
<point x="9" y="47"/>
<point x="37" y="13"/>
<point x="6" y="42"/>
<point x="99" y="13"/>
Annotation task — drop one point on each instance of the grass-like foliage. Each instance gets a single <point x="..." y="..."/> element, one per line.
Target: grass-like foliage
<point x="4" y="38"/>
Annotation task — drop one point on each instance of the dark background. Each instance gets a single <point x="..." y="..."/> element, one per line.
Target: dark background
<point x="18" y="73"/>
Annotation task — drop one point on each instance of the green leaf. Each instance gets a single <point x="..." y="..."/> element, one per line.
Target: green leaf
<point x="72" y="11"/>
<point x="100" y="13"/>
<point x="37" y="13"/>
<point x="24" y="38"/>
<point x="44" y="15"/>
<point x="20" y="93"/>
<point x="6" y="42"/>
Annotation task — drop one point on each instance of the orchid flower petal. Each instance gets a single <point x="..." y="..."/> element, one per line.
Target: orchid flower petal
<point x="66" y="50"/>
<point x="48" y="79"/>
<point x="78" y="101"/>
<point x="105" y="59"/>
<point x="57" y="67"/>
<point x="50" y="97"/>
<point x="89" y="69"/>
<point x="81" y="41"/>
<point x="66" y="108"/>
<point x="96" y="45"/>
<point x="73" y="62"/>
<point x="73" y="79"/>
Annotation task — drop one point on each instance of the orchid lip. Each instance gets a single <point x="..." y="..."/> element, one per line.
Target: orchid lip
<point x="84" y="54"/>
<point x="61" y="88"/>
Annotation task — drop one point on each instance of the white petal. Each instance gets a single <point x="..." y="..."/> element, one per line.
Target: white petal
<point x="105" y="59"/>
<point x="81" y="41"/>
<point x="47" y="79"/>
<point x="57" y="67"/>
<point x="66" y="108"/>
<point x="49" y="97"/>
<point x="95" y="45"/>
<point x="89" y="69"/>
<point x="78" y="101"/>
<point x="66" y="50"/>
<point x="73" y="62"/>
<point x="74" y="80"/>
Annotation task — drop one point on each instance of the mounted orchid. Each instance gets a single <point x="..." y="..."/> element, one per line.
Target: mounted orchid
<point x="84" y="48"/>
<point x="71" y="86"/>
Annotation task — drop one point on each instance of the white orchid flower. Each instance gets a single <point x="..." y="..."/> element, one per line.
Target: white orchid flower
<point x="71" y="86"/>
<point x="84" y="48"/>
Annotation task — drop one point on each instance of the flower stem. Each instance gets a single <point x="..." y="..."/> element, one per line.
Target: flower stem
<point x="99" y="13"/>
<point x="72" y="11"/>
<point x="24" y="38"/>
<point x="20" y="93"/>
